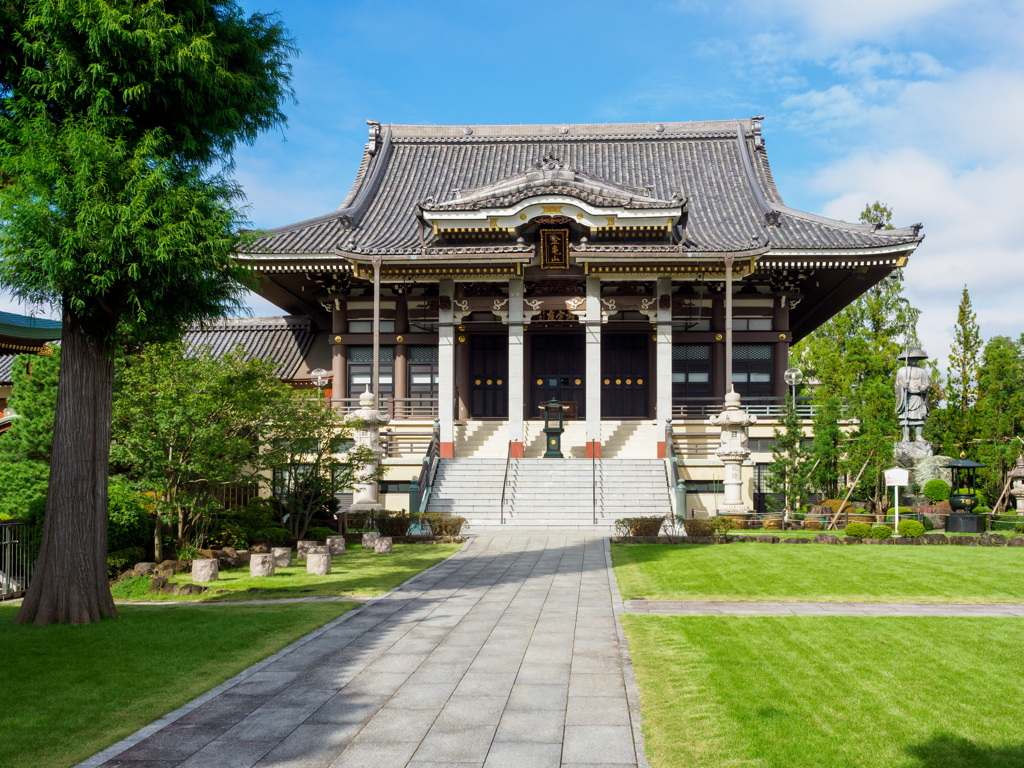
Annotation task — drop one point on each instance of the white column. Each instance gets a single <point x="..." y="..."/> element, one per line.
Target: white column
<point x="516" y="382"/>
<point x="446" y="368"/>
<point x="593" y="357"/>
<point x="663" y="361"/>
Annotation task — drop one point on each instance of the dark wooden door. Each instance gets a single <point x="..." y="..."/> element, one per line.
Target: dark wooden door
<point x="624" y="376"/>
<point x="557" y="371"/>
<point x="488" y="382"/>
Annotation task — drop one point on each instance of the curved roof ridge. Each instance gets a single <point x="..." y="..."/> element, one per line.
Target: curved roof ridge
<point x="569" y="131"/>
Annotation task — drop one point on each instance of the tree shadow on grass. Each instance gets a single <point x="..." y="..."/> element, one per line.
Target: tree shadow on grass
<point x="946" y="750"/>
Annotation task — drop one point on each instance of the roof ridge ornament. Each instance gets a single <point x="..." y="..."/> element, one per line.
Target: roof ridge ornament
<point x="551" y="162"/>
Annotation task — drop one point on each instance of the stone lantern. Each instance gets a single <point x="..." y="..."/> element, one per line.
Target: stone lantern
<point x="733" y="451"/>
<point x="367" y="435"/>
<point x="1016" y="476"/>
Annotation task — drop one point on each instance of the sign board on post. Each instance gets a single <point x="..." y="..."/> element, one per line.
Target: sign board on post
<point x="897" y="477"/>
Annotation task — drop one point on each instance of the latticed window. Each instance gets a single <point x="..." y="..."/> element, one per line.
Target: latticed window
<point x="752" y="369"/>
<point x="691" y="370"/>
<point x="360" y="370"/>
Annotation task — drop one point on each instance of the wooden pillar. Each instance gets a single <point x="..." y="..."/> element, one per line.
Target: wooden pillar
<point x="462" y="383"/>
<point x="339" y="352"/>
<point x="780" y="324"/>
<point x="401" y="376"/>
<point x="718" y="383"/>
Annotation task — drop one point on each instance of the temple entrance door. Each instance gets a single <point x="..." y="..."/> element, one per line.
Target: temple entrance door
<point x="488" y="379"/>
<point x="624" y="376"/>
<point x="557" y="371"/>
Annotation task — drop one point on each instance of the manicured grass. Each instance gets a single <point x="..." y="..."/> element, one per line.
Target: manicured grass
<point x="357" y="573"/>
<point x="820" y="572"/>
<point x="856" y="692"/>
<point x="69" y="692"/>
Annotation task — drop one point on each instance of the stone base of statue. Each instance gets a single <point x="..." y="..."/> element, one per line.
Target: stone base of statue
<point x="917" y="449"/>
<point x="925" y="468"/>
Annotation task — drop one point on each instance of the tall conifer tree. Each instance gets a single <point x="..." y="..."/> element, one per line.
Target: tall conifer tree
<point x="117" y="118"/>
<point x="962" y="382"/>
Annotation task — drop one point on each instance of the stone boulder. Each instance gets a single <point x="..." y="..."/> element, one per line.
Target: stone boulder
<point x="767" y="539"/>
<point x="336" y="545"/>
<point x="170" y="567"/>
<point x="827" y="538"/>
<point x="142" y="569"/>
<point x="928" y="468"/>
<point x="992" y="540"/>
<point x="383" y="545"/>
<point x="282" y="556"/>
<point x="369" y="539"/>
<point x="206" y="569"/>
<point x="796" y="540"/>
<point x="190" y="589"/>
<point x="934" y="538"/>
<point x="318" y="563"/>
<point x="302" y="547"/>
<point x="261" y="565"/>
<point x="1015" y="541"/>
<point x="907" y="540"/>
<point x="964" y="541"/>
<point x="853" y="540"/>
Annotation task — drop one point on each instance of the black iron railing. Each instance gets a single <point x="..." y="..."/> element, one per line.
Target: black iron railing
<point x="19" y="546"/>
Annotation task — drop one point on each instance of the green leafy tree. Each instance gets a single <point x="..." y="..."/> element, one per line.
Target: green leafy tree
<point x="115" y="120"/>
<point x="954" y="426"/>
<point x="826" y="450"/>
<point x="999" y="413"/>
<point x="788" y="471"/>
<point x="312" y="458"/>
<point x="854" y="356"/>
<point x="25" y="447"/>
<point x="186" y="423"/>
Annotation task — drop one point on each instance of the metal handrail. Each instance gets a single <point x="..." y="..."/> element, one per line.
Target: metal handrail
<point x="672" y="475"/>
<point x="504" y="481"/>
<point x="428" y="470"/>
<point x="702" y="407"/>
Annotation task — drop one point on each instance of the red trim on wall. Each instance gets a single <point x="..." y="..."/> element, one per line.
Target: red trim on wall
<point x="447" y="450"/>
<point x="516" y="450"/>
<point x="593" y="449"/>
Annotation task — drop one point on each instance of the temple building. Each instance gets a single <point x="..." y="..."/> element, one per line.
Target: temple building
<point x="19" y="335"/>
<point x="605" y="267"/>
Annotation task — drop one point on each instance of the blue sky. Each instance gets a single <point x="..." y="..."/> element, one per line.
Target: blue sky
<point x="917" y="103"/>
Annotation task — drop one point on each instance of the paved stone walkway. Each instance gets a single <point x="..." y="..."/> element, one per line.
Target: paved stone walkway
<point x="750" y="608"/>
<point x="507" y="654"/>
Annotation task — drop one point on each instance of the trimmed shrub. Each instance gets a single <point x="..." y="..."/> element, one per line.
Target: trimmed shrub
<point x="910" y="528"/>
<point x="858" y="530"/>
<point x="927" y="523"/>
<point x="122" y="560"/>
<point x="444" y="525"/>
<point x="698" y="527"/>
<point x="392" y="523"/>
<point x="320" y="532"/>
<point x="128" y="525"/>
<point x="880" y="532"/>
<point x="639" y="526"/>
<point x="274" y="535"/>
<point x="936" y="490"/>
<point x="980" y="510"/>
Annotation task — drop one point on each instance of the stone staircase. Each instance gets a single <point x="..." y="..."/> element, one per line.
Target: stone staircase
<point x="550" y="493"/>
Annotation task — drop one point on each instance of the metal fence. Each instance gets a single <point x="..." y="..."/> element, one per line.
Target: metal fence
<point x="19" y="546"/>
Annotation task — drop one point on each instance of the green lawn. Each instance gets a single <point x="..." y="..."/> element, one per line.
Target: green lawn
<point x="69" y="692"/>
<point x="819" y="572"/>
<point x="357" y="573"/>
<point x="855" y="692"/>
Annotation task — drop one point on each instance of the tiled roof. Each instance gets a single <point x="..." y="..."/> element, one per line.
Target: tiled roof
<point x="285" y="340"/>
<point x="6" y="361"/>
<point x="25" y="327"/>
<point x="721" y="168"/>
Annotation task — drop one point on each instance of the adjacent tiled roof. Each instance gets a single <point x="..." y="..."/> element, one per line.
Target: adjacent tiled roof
<point x="6" y="361"/>
<point x="25" y="327"/>
<point x="721" y="168"/>
<point x="285" y="340"/>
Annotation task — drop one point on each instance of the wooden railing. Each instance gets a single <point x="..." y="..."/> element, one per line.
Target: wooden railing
<point x="398" y="408"/>
<point x="772" y="407"/>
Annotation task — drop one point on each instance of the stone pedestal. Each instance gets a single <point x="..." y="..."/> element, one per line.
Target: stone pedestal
<point x="336" y="545"/>
<point x="318" y="563"/>
<point x="261" y="565"/>
<point x="1017" y="491"/>
<point x="206" y="569"/>
<point x="282" y="556"/>
<point x="367" y="435"/>
<point x="369" y="539"/>
<point x="382" y="546"/>
<point x="303" y="547"/>
<point x="733" y="451"/>
<point x="917" y="449"/>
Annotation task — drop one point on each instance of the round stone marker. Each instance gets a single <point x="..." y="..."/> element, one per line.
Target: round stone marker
<point x="336" y="545"/>
<point x="261" y="565"/>
<point x="282" y="556"/>
<point x="368" y="539"/>
<point x="205" y="569"/>
<point x="318" y="563"/>
<point x="382" y="545"/>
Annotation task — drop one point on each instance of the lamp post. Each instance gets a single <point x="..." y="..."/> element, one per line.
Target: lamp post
<point x="793" y="377"/>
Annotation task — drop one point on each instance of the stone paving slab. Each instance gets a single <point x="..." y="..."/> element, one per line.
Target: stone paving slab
<point x="507" y="654"/>
<point x="751" y="608"/>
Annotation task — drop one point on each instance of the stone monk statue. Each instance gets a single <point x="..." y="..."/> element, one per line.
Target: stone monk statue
<point x="912" y="393"/>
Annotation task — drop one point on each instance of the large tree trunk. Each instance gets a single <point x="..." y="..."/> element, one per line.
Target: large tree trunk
<point x="69" y="583"/>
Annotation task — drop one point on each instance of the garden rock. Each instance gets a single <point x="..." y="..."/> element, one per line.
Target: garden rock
<point x="383" y="545"/>
<point x="336" y="545"/>
<point x="907" y="540"/>
<point x="318" y="563"/>
<point x="170" y="567"/>
<point x="765" y="539"/>
<point x="304" y="546"/>
<point x="159" y="582"/>
<point x="244" y="555"/>
<point x="992" y="540"/>
<point x="227" y="560"/>
<point x="259" y="549"/>
<point x="206" y="569"/>
<point x="141" y="569"/>
<point x="189" y="589"/>
<point x="1015" y="541"/>
<point x="282" y="556"/>
<point x="368" y="539"/>
<point x="796" y="540"/>
<point x="827" y="538"/>
<point x="853" y="540"/>
<point x="964" y="541"/>
<point x="261" y="565"/>
<point x="935" y="538"/>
